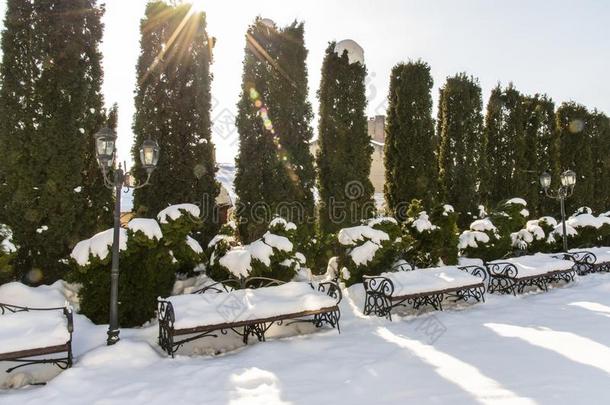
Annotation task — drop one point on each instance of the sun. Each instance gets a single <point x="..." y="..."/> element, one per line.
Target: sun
<point x="197" y="6"/>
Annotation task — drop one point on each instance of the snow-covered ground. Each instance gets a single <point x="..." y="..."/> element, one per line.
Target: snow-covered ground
<point x="545" y="348"/>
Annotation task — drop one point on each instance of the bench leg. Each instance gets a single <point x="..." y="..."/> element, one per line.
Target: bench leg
<point x="378" y="304"/>
<point x="328" y="318"/>
<point x="503" y="285"/>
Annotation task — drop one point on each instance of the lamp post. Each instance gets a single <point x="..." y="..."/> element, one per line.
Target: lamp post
<point x="105" y="151"/>
<point x="568" y="180"/>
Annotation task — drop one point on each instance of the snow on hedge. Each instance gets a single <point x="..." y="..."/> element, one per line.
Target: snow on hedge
<point x="6" y="242"/>
<point x="175" y="211"/>
<point x="517" y="200"/>
<point x="423" y="224"/>
<point x="364" y="253"/>
<point x="279" y="221"/>
<point x="237" y="261"/>
<point x="194" y="245"/>
<point x="278" y="242"/>
<point x="483" y="225"/>
<point x="147" y="226"/>
<point x="99" y="246"/>
<point x="381" y="220"/>
<point x="355" y="234"/>
<point x="260" y="251"/>
<point x="587" y="219"/>
<point x="472" y="239"/>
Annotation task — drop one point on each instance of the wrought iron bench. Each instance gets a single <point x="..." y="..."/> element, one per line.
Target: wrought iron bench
<point x="585" y="262"/>
<point x="234" y="305"/>
<point x="421" y="287"/>
<point x="512" y="276"/>
<point x="602" y="258"/>
<point x="54" y="329"/>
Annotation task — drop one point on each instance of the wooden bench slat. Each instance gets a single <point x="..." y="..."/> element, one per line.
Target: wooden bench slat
<point x="34" y="352"/>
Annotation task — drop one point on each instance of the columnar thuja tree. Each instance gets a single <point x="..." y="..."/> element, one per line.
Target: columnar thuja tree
<point x="410" y="160"/>
<point x="50" y="106"/>
<point x="274" y="166"/>
<point x="600" y="132"/>
<point x="290" y="113"/>
<point x="461" y="157"/>
<point x="344" y="157"/>
<point x="541" y="151"/>
<point x="504" y="132"/>
<point x="574" y="127"/>
<point x="173" y="104"/>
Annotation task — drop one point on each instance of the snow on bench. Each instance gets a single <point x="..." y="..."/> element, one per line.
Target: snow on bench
<point x="420" y="287"/>
<point x="30" y="329"/>
<point x="232" y="305"/>
<point x="511" y="276"/>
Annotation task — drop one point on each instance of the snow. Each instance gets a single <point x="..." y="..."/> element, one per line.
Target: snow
<point x="570" y="231"/>
<point x="355" y="53"/>
<point x="278" y="242"/>
<point x="261" y="251"/>
<point x="194" y="245"/>
<point x="148" y="226"/>
<point x="226" y="176"/>
<point x="537" y="264"/>
<point x="549" y="220"/>
<point x="447" y="209"/>
<point x="99" y="245"/>
<point x="364" y="253"/>
<point x="547" y="348"/>
<point x="516" y="201"/>
<point x="582" y="220"/>
<point x="534" y="228"/>
<point x="423" y="224"/>
<point x="289" y="226"/>
<point x="350" y="236"/>
<point x="524" y="213"/>
<point x="175" y="211"/>
<point x="237" y="261"/>
<point x="430" y="280"/>
<point x="193" y="310"/>
<point x="472" y="239"/>
<point x="78" y="189"/>
<point x="218" y="238"/>
<point x="483" y="225"/>
<point x="381" y="220"/>
<point x="35" y="329"/>
<point x="42" y="229"/>
<point x="522" y="238"/>
<point x="6" y="243"/>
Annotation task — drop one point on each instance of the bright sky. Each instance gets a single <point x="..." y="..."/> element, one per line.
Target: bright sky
<point x="560" y="47"/>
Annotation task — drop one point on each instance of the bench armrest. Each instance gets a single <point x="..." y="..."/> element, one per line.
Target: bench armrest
<point x="478" y="271"/>
<point x="502" y="269"/>
<point x="378" y="285"/>
<point x="331" y="289"/>
<point x="580" y="257"/>
<point x="165" y="312"/>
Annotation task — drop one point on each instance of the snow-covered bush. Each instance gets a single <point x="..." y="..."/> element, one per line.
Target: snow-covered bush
<point x="274" y="255"/>
<point x="7" y="250"/>
<point x="538" y="235"/>
<point x="369" y="249"/>
<point x="319" y="250"/>
<point x="588" y="229"/>
<point x="491" y="238"/>
<point x="150" y="254"/>
<point x="434" y="236"/>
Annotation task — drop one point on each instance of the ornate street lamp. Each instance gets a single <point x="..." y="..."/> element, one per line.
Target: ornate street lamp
<point x="568" y="180"/>
<point x="105" y="152"/>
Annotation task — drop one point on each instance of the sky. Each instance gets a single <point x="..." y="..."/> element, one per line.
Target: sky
<point x="561" y="48"/>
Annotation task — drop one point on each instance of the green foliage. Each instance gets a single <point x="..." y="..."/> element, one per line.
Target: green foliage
<point x="385" y="252"/>
<point x="410" y="159"/>
<point x="6" y="256"/>
<point x="506" y="154"/>
<point x="600" y="148"/>
<point x="275" y="171"/>
<point x="490" y="238"/>
<point x="462" y="146"/>
<point x="541" y="151"/>
<point x="147" y="270"/>
<point x="575" y="137"/>
<point x="344" y="155"/>
<point x="434" y="236"/>
<point x="319" y="250"/>
<point x="173" y="104"/>
<point x="548" y="241"/>
<point x="50" y="104"/>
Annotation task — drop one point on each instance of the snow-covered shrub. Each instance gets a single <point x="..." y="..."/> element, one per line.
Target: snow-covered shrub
<point x="434" y="236"/>
<point x="491" y="238"/>
<point x="538" y="235"/>
<point x="369" y="249"/>
<point x="588" y="229"/>
<point x="274" y="255"/>
<point x="7" y="250"/>
<point x="319" y="250"/>
<point x="149" y="254"/>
